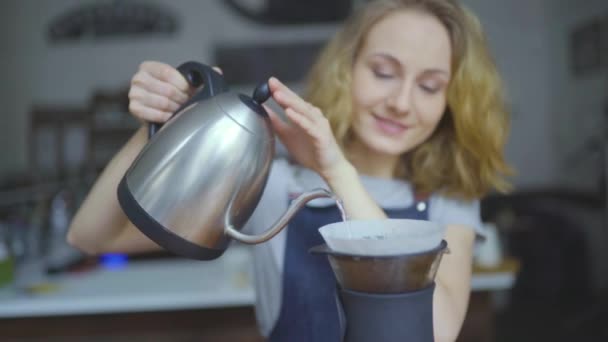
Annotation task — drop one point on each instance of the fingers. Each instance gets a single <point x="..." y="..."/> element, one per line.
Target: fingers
<point x="158" y="90"/>
<point x="152" y="100"/>
<point x="165" y="73"/>
<point x="145" y="81"/>
<point x="302" y="121"/>
<point x="281" y="128"/>
<point x="148" y="113"/>
<point x="285" y="97"/>
<point x="302" y="113"/>
<point x="277" y="123"/>
<point x="284" y="129"/>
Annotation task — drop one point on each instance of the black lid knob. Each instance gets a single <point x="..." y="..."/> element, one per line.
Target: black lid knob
<point x="261" y="93"/>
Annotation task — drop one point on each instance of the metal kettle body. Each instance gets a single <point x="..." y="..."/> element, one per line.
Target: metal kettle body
<point x="201" y="175"/>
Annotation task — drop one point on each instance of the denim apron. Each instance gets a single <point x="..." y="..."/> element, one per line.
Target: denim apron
<point x="309" y="311"/>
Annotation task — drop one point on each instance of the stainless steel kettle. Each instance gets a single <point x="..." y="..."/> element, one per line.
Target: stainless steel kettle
<point x="199" y="178"/>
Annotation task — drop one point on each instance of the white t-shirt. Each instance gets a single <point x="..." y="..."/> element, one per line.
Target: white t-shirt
<point x="286" y="179"/>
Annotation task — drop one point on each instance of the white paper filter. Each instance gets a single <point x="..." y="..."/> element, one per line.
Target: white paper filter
<point x="382" y="237"/>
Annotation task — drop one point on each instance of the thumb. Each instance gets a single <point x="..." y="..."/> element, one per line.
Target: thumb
<point x="281" y="127"/>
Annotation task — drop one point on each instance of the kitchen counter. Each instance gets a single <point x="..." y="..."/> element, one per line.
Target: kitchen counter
<point x="164" y="285"/>
<point x="139" y="286"/>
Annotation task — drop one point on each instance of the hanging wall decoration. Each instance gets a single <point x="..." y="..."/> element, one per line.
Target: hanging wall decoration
<point x="112" y="19"/>
<point x="291" y="12"/>
<point x="589" y="46"/>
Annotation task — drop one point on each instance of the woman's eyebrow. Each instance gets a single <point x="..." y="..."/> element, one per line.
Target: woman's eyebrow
<point x="437" y="71"/>
<point x="387" y="56"/>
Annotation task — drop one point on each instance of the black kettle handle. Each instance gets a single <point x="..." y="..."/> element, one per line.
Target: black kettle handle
<point x="196" y="74"/>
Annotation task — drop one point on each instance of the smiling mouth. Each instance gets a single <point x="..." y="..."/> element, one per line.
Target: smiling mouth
<point x="388" y="126"/>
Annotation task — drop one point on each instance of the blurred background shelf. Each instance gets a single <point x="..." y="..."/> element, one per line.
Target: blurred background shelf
<point x="67" y="141"/>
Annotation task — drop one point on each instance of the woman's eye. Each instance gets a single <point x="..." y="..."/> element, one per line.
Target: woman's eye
<point x="429" y="89"/>
<point x="383" y="74"/>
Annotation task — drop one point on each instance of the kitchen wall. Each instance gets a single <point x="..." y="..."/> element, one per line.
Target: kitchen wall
<point x="578" y="101"/>
<point x="520" y="32"/>
<point x="517" y="31"/>
<point x="36" y="72"/>
<point x="12" y="126"/>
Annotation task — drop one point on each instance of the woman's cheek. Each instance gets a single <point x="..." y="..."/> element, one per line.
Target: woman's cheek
<point x="369" y="90"/>
<point x="432" y="110"/>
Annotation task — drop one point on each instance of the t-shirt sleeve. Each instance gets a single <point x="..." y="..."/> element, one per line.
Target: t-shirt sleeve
<point x="449" y="211"/>
<point x="273" y="202"/>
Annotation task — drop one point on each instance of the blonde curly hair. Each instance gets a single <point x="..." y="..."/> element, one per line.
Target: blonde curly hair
<point x="464" y="156"/>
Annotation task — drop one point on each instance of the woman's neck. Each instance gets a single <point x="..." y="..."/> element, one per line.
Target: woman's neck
<point x="371" y="163"/>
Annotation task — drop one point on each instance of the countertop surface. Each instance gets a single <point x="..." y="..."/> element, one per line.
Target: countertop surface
<point x="159" y="285"/>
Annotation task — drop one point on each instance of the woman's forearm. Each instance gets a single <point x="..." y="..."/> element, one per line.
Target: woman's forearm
<point x="345" y="184"/>
<point x="100" y="219"/>
<point x="447" y="314"/>
<point x="453" y="283"/>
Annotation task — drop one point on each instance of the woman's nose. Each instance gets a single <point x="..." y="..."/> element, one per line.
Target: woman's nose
<point x="400" y="99"/>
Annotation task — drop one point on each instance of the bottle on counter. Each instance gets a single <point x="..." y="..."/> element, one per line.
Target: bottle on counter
<point x="60" y="255"/>
<point x="6" y="259"/>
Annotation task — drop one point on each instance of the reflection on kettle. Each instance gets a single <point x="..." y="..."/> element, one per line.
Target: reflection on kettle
<point x="201" y="175"/>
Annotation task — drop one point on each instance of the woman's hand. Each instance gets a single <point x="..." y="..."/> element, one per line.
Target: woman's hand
<point x="309" y="138"/>
<point x="157" y="91"/>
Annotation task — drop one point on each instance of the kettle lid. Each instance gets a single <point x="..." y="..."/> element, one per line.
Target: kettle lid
<point x="261" y="94"/>
<point x="243" y="109"/>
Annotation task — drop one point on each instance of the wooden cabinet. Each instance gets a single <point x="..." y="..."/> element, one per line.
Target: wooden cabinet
<point x="69" y="141"/>
<point x="110" y="127"/>
<point x="217" y="325"/>
<point x="57" y="141"/>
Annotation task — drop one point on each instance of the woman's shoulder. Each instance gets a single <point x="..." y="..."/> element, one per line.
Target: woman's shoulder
<point x="454" y="211"/>
<point x="445" y="201"/>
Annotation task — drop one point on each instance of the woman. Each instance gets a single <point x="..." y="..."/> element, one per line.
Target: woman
<point x="403" y="118"/>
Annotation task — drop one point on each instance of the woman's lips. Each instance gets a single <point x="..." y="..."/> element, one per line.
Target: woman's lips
<point x="388" y="126"/>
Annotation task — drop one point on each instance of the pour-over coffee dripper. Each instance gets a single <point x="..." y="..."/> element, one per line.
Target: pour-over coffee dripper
<point x="384" y="274"/>
<point x="385" y="297"/>
<point x="382" y="237"/>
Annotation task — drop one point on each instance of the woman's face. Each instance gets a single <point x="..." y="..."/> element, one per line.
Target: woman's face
<point x="400" y="78"/>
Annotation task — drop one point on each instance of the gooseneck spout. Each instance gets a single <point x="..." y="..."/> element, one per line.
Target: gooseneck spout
<point x="296" y="205"/>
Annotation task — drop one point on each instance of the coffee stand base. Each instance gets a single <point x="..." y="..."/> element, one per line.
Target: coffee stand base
<point x="388" y="317"/>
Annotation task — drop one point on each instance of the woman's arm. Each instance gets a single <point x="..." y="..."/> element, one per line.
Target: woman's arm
<point x="345" y="184"/>
<point x="453" y="284"/>
<point x="100" y="225"/>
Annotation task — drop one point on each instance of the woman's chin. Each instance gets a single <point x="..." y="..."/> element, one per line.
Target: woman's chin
<point x="388" y="147"/>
